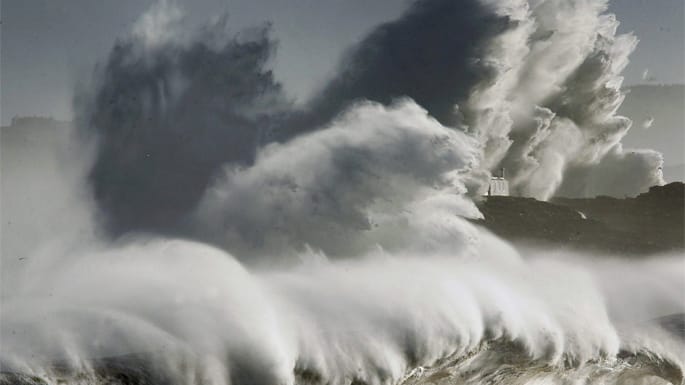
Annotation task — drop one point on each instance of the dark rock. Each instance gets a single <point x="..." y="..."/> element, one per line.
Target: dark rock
<point x="648" y="224"/>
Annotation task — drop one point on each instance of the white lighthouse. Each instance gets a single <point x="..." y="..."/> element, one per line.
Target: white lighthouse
<point x="498" y="185"/>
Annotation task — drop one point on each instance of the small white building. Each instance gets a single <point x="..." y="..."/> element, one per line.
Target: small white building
<point x="498" y="185"/>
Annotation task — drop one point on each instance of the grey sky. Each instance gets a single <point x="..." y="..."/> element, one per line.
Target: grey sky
<point x="48" y="46"/>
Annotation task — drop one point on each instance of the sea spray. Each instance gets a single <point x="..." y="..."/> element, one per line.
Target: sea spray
<point x="192" y="309"/>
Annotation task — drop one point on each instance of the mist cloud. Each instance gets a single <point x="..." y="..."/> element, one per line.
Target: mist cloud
<point x="376" y="176"/>
<point x="44" y="198"/>
<point x="430" y="54"/>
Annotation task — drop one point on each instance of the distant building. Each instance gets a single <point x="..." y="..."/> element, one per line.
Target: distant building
<point x="498" y="185"/>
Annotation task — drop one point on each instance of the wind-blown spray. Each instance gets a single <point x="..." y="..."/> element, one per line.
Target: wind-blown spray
<point x="536" y="83"/>
<point x="192" y="314"/>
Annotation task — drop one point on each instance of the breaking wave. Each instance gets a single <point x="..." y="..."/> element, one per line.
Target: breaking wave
<point x="189" y="313"/>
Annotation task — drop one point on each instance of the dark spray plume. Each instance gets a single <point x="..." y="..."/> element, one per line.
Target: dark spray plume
<point x="430" y="54"/>
<point x="168" y="111"/>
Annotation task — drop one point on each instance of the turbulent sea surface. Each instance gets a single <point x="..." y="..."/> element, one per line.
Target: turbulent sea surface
<point x="180" y="312"/>
<point x="492" y="362"/>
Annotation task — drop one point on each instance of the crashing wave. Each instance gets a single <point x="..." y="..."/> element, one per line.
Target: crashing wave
<point x="493" y="362"/>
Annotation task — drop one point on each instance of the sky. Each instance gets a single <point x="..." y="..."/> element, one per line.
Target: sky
<point x="48" y="47"/>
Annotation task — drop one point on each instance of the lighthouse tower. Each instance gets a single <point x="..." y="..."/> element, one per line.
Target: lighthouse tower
<point x="498" y="185"/>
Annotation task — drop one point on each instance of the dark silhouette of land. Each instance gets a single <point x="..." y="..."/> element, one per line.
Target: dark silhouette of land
<point x="647" y="224"/>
